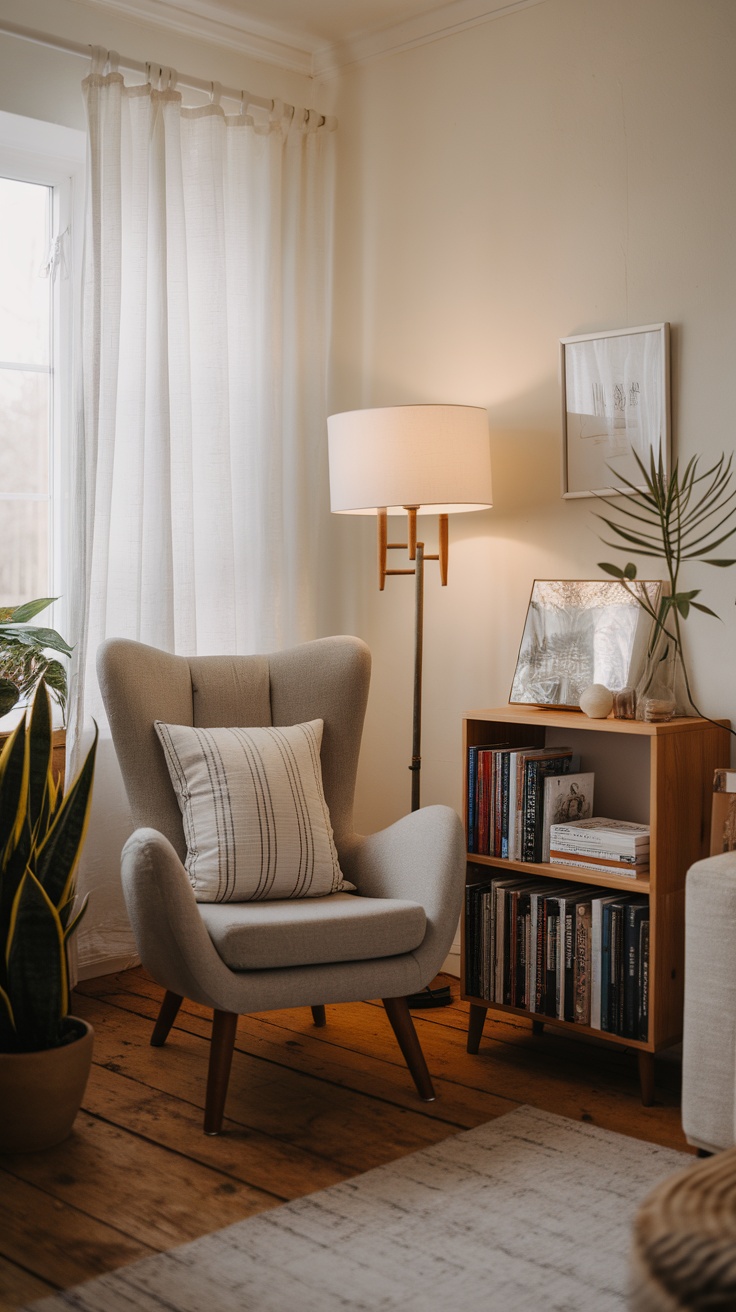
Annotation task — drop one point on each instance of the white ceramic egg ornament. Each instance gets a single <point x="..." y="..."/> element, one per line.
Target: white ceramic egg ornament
<point x="596" y="701"/>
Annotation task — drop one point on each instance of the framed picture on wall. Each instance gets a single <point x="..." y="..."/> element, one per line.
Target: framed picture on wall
<point x="615" y="401"/>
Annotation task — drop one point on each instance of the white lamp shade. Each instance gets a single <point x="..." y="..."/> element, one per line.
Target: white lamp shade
<point x="434" y="457"/>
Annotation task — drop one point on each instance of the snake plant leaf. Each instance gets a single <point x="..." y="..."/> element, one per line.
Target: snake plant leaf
<point x="74" y="922"/>
<point x="13" y="789"/>
<point x="9" y="694"/>
<point x="37" y="973"/>
<point x="38" y="747"/>
<point x="7" y="1022"/>
<point x="29" y="609"/>
<point x="58" y="853"/>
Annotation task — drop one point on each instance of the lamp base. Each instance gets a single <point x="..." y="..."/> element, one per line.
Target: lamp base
<point x="440" y="997"/>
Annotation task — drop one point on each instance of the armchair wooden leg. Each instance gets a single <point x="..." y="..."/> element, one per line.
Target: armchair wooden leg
<point x="397" y="1010"/>
<point x="224" y="1024"/>
<point x="319" y="1016"/>
<point x="166" y="1017"/>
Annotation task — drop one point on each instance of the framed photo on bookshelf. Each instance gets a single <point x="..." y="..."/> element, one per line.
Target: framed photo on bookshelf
<point x="578" y="632"/>
<point x="615" y="401"/>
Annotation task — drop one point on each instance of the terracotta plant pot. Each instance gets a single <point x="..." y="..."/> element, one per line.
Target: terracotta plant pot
<point x="41" y="1092"/>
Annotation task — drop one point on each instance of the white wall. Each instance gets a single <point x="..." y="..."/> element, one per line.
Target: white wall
<point x="564" y="169"/>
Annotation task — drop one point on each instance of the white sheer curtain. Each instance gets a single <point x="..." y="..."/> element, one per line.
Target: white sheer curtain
<point x="200" y="475"/>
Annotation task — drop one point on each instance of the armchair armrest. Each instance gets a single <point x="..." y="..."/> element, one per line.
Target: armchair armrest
<point x="709" y="1043"/>
<point x="421" y="858"/>
<point x="170" y="935"/>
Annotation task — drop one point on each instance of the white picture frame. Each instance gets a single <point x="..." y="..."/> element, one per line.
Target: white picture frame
<point x="615" y="390"/>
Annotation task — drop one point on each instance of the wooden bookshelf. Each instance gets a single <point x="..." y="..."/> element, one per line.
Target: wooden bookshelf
<point x="660" y="774"/>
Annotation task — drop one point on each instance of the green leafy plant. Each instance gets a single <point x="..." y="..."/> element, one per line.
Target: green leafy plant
<point x="24" y="655"/>
<point x="41" y="836"/>
<point x="680" y="517"/>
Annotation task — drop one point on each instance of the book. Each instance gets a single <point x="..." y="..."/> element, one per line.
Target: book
<point x="582" y="963"/>
<point x="569" y="947"/>
<point x="636" y="912"/>
<point x="596" y="956"/>
<point x="535" y="771"/>
<point x="585" y="852"/>
<point x="613" y="868"/>
<point x="643" y="991"/>
<point x="615" y="1015"/>
<point x="561" y="793"/>
<point x="565" y="951"/>
<point x="600" y="831"/>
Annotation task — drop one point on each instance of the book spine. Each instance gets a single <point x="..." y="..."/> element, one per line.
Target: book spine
<point x="531" y="800"/>
<point x="596" y="909"/>
<point x="569" y="1003"/>
<point x="630" y="872"/>
<point x="469" y="933"/>
<point x="582" y="963"/>
<point x="643" y="992"/>
<point x="539" y="950"/>
<point x="615" y="980"/>
<point x="505" y="803"/>
<point x="472" y="795"/>
<point x="552" y="919"/>
<point x="560" y="982"/>
<point x="509" y="942"/>
<point x="605" y="965"/>
<point x="497" y="802"/>
<point x="633" y="916"/>
<point x="595" y="854"/>
<point x="500" y="900"/>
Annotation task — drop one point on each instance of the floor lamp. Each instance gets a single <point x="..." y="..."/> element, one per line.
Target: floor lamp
<point x="417" y="459"/>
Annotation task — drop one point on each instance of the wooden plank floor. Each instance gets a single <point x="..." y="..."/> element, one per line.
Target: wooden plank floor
<point x="307" y="1108"/>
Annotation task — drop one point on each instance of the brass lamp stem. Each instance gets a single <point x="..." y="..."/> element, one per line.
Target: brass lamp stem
<point x="416" y="553"/>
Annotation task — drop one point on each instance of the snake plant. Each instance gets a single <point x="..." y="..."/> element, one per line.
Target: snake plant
<point x="24" y="655"/>
<point x="41" y="836"/>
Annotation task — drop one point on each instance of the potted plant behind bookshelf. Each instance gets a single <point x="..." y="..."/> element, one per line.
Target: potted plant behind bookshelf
<point x="45" y="1053"/>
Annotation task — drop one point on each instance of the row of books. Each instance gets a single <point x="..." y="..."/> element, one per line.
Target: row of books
<point x="560" y="950"/>
<point x="516" y="794"/>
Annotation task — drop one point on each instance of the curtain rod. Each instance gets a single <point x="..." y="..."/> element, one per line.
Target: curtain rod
<point x="138" y="66"/>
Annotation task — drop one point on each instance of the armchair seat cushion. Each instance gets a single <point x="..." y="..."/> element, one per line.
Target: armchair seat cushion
<point x="314" y="931"/>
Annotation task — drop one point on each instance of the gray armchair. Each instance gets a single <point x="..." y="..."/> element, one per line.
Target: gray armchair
<point x="388" y="941"/>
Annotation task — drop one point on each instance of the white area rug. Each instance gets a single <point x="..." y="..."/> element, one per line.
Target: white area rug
<point x="528" y="1212"/>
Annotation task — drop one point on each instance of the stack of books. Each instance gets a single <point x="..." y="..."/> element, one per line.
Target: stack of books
<point x="514" y="795"/>
<point x="615" y="847"/>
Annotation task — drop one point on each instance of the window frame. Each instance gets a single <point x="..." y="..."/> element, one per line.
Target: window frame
<point x="32" y="150"/>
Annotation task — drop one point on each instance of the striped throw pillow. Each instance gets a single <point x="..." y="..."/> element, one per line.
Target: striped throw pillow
<point x="255" y="817"/>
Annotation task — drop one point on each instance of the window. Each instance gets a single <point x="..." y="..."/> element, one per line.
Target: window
<point x="26" y="456"/>
<point x="41" y="175"/>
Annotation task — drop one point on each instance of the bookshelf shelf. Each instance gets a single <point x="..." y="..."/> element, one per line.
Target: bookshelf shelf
<point x="660" y="774"/>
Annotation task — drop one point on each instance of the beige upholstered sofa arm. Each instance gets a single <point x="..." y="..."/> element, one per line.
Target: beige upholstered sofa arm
<point x="709" y="1047"/>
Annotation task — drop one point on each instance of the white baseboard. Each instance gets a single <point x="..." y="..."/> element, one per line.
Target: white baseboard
<point x="106" y="966"/>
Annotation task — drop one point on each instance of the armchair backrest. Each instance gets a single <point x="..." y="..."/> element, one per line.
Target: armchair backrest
<point x="327" y="680"/>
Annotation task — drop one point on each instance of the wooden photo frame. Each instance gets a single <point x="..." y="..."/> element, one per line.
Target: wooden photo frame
<point x="615" y="390"/>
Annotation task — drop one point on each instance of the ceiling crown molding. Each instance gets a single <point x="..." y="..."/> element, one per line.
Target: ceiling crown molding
<point x="455" y="16"/>
<point x="300" y="53"/>
<point x="213" y="22"/>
